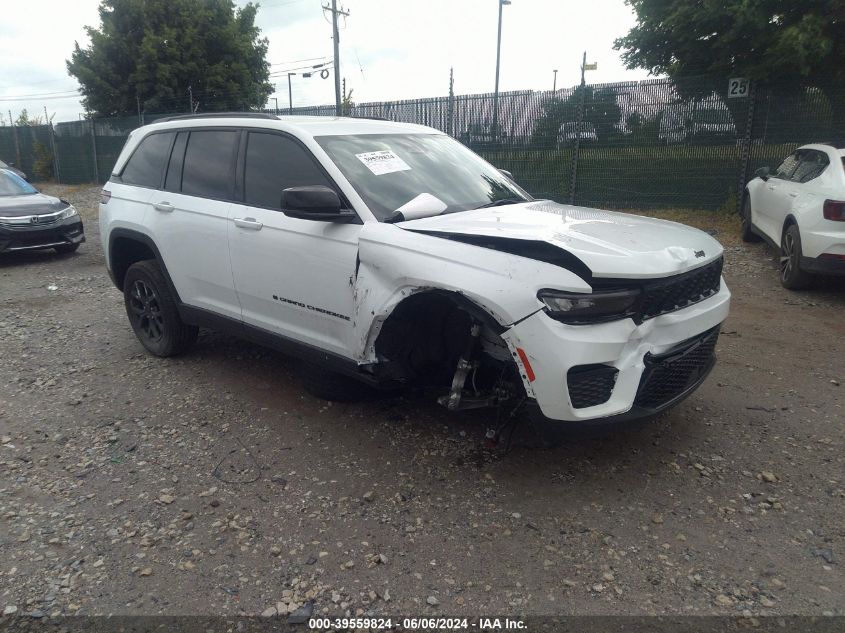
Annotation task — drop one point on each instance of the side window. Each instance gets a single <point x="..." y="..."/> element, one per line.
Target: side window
<point x="273" y="163"/>
<point x="209" y="164"/>
<point x="146" y="165"/>
<point x="784" y="171"/>
<point x="173" y="179"/>
<point x="813" y="163"/>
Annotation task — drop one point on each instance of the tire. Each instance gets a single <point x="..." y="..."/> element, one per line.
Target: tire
<point x="66" y="249"/>
<point x="328" y="385"/>
<point x="153" y="313"/>
<point x="745" y="231"/>
<point x="791" y="275"/>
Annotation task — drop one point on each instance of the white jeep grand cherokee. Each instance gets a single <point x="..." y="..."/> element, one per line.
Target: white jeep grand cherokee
<point x="389" y="254"/>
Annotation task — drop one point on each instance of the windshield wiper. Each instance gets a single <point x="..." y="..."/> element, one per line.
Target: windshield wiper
<point x="501" y="202"/>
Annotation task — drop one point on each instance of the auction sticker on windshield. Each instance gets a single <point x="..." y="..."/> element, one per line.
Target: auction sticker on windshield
<point x="383" y="162"/>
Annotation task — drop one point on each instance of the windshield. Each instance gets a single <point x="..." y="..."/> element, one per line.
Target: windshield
<point x="432" y="172"/>
<point x="13" y="185"/>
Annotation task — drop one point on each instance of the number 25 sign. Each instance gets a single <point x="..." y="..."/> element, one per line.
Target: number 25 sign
<point x="738" y="87"/>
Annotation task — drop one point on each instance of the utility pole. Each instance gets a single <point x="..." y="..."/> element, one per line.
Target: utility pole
<point x="138" y="103"/>
<point x="190" y="100"/>
<point x="495" y="129"/>
<point x="583" y="67"/>
<point x="336" y="37"/>
<point x="276" y="108"/>
<point x="554" y="83"/>
<point x="290" y="95"/>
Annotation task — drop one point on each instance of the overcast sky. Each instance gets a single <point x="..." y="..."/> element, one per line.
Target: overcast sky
<point x="390" y="49"/>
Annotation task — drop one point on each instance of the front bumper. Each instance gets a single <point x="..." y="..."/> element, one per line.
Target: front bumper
<point x="33" y="237"/>
<point x="640" y="369"/>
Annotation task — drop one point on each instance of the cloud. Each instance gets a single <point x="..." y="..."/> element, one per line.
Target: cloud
<point x="389" y="49"/>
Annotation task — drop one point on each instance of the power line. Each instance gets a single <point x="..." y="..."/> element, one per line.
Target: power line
<point x="75" y="95"/>
<point x="296" y="61"/>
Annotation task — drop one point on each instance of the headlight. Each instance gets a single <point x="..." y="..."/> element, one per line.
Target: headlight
<point x="67" y="213"/>
<point x="578" y="308"/>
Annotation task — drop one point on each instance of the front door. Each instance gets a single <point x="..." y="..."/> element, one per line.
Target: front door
<point x="293" y="277"/>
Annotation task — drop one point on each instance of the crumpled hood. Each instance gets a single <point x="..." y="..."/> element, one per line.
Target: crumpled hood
<point x="610" y="244"/>
<point x="30" y="204"/>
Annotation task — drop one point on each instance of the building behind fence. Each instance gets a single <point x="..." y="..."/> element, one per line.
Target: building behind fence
<point x="630" y="145"/>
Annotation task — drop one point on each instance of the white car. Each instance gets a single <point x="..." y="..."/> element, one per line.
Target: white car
<point x="389" y="254"/>
<point x="572" y="131"/>
<point x="800" y="209"/>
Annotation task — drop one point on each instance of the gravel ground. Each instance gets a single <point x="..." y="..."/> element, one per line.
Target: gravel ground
<point x="212" y="484"/>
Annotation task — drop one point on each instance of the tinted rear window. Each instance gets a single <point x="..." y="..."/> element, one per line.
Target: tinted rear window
<point x="210" y="164"/>
<point x="146" y="165"/>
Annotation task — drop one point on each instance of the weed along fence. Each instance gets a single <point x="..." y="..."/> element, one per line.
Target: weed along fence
<point x="632" y="145"/>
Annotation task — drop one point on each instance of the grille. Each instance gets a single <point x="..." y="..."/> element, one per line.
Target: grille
<point x="669" y="375"/>
<point x="590" y="385"/>
<point x="680" y="291"/>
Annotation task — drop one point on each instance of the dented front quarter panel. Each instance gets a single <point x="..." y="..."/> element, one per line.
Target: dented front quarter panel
<point x="395" y="263"/>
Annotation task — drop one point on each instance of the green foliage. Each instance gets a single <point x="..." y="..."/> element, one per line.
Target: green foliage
<point x="156" y="50"/>
<point x="43" y="163"/>
<point x="600" y="109"/>
<point x="347" y="104"/>
<point x="766" y="40"/>
<point x="25" y="120"/>
<point x="643" y="130"/>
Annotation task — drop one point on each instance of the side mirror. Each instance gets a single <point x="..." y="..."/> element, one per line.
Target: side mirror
<point x="315" y="202"/>
<point x="762" y="173"/>
<point x="507" y="173"/>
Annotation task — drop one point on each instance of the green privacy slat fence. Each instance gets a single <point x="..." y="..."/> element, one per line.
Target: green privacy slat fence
<point x="636" y="145"/>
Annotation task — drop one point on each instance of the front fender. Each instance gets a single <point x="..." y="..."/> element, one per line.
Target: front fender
<point x="395" y="263"/>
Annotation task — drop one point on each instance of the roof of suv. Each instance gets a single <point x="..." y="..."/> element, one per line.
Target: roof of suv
<point x="307" y="125"/>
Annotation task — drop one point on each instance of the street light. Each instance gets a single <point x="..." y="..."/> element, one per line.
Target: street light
<point x="498" y="57"/>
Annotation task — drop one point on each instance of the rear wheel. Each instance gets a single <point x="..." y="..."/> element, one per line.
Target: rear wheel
<point x="153" y="313"/>
<point x="791" y="275"/>
<point x="746" y="232"/>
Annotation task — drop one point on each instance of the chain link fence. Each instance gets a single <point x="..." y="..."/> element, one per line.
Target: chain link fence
<point x="632" y="145"/>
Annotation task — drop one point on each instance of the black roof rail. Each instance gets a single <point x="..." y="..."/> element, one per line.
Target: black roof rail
<point x="219" y="115"/>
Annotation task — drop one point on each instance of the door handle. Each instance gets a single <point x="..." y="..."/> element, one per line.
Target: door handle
<point x="248" y="223"/>
<point x="793" y="194"/>
<point x="772" y="187"/>
<point x="166" y="207"/>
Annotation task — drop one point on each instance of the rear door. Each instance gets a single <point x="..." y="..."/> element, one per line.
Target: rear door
<point x="136" y="184"/>
<point x="293" y="277"/>
<point x="189" y="218"/>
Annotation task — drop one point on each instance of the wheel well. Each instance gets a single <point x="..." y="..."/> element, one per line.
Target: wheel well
<point x="789" y="221"/>
<point x="426" y="334"/>
<point x="126" y="251"/>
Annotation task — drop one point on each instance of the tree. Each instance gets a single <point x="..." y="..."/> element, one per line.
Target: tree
<point x="347" y="105"/>
<point x="771" y="41"/>
<point x="159" y="54"/>
<point x="781" y="40"/>
<point x="25" y="120"/>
